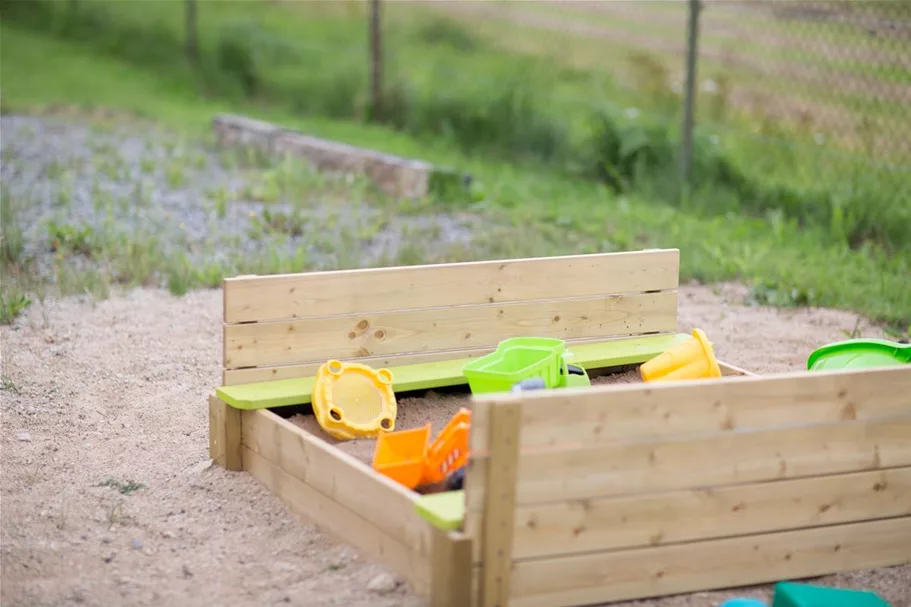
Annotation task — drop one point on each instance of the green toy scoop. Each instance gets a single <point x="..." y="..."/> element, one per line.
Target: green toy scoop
<point x="859" y="354"/>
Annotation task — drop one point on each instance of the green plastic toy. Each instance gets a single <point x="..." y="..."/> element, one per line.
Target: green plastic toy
<point x="791" y="594"/>
<point x="515" y="360"/>
<point x="859" y="354"/>
<point x="524" y="358"/>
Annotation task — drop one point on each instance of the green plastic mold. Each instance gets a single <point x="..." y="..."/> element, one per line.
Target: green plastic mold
<point x="859" y="354"/>
<point x="791" y="594"/>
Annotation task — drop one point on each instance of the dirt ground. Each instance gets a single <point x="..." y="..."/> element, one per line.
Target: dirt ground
<point x="97" y="396"/>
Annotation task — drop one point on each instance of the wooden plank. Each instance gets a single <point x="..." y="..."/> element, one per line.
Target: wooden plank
<point x="635" y="349"/>
<point x="727" y="563"/>
<point x="604" y="414"/>
<point x="653" y="519"/>
<point x="729" y="370"/>
<point x="359" y="335"/>
<point x="278" y="297"/>
<point x="475" y="485"/>
<point x="340" y="477"/>
<point x="722" y="458"/>
<point x="340" y="521"/>
<point x="450" y="571"/>
<point x="224" y="435"/>
<point x="500" y="504"/>
<point x="438" y="374"/>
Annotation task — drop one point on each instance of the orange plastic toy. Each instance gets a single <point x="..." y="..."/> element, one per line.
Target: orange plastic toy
<point x="450" y="449"/>
<point x="693" y="359"/>
<point x="402" y="455"/>
<point x="351" y="400"/>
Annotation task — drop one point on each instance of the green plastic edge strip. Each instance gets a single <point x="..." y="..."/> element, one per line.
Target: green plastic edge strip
<point x="424" y="376"/>
<point x="445" y="511"/>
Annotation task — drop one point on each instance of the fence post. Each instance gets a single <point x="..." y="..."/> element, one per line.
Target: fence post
<point x="689" y="100"/>
<point x="192" y="29"/>
<point x="376" y="62"/>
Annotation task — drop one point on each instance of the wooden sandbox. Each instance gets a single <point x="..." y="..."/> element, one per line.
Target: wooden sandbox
<point x="574" y="496"/>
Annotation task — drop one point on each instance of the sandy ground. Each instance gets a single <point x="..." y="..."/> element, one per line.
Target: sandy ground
<point x="116" y="390"/>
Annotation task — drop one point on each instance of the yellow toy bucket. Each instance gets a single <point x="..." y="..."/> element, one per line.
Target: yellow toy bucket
<point x="693" y="359"/>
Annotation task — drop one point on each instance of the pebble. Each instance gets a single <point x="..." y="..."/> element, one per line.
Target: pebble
<point x="24" y="437"/>
<point x="382" y="584"/>
<point x="136" y="544"/>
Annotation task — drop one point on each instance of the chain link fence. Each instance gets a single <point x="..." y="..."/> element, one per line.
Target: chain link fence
<point x="809" y="99"/>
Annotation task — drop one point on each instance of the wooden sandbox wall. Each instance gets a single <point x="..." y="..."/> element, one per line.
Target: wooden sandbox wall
<point x="283" y="327"/>
<point x="633" y="491"/>
<point x="575" y="496"/>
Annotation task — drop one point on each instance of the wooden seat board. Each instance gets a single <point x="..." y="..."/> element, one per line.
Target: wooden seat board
<point x="439" y="374"/>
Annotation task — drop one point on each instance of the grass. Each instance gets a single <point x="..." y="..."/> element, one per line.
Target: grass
<point x="535" y="207"/>
<point x="449" y="82"/>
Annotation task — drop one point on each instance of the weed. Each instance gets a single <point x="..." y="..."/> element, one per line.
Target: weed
<point x="176" y="175"/>
<point x="279" y="222"/>
<point x="70" y="239"/>
<point x="769" y="293"/>
<point x="219" y="198"/>
<point x="179" y="275"/>
<point x="147" y="165"/>
<point x="124" y="487"/>
<point x="8" y="385"/>
<point x="12" y="304"/>
<point x="855" y="332"/>
<point x="65" y="192"/>
<point x="12" y="242"/>
<point x="903" y="337"/>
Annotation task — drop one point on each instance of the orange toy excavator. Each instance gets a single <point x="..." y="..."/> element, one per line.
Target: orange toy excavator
<point x="449" y="451"/>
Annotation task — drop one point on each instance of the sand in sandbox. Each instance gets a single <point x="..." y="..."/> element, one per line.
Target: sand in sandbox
<point x="434" y="407"/>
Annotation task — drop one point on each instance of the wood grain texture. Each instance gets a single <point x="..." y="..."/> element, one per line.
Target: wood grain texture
<point x="604" y="414"/>
<point x="591" y="353"/>
<point x="437" y="374"/>
<point x="225" y="435"/>
<point x="343" y="479"/>
<point x="722" y="458"/>
<point x="499" y="508"/>
<point x="726" y="563"/>
<point x="360" y="335"/>
<point x="475" y="483"/>
<point x="340" y="521"/>
<point x="653" y="519"/>
<point x="373" y="290"/>
<point x="451" y="571"/>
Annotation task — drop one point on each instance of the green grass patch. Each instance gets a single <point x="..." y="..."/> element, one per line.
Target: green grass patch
<point x="455" y="85"/>
<point x="602" y="199"/>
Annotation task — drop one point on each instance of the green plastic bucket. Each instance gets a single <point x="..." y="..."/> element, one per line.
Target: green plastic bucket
<point x="517" y="359"/>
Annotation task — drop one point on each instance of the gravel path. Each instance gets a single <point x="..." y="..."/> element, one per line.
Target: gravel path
<point x="180" y="202"/>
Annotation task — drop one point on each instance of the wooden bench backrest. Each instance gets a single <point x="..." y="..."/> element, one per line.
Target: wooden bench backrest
<point x="285" y="326"/>
<point x="594" y="493"/>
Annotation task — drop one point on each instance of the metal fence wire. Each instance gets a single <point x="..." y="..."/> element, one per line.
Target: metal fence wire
<point x="808" y="100"/>
<point x="835" y="73"/>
